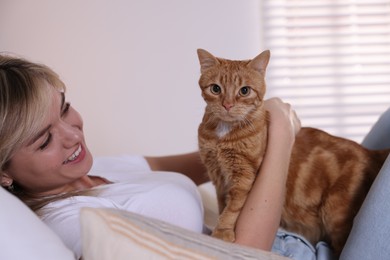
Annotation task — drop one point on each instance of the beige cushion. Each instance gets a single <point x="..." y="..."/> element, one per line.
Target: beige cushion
<point x="115" y="234"/>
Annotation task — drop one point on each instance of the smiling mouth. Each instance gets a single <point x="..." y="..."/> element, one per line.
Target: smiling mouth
<point x="73" y="156"/>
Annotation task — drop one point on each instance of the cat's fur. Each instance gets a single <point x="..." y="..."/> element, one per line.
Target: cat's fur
<point x="328" y="176"/>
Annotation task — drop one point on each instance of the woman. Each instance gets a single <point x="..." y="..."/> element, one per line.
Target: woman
<point x="44" y="160"/>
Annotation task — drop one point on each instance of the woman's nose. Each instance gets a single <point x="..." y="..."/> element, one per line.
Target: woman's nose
<point x="70" y="134"/>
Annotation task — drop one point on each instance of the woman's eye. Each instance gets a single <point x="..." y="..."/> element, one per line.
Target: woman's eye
<point x="46" y="143"/>
<point x="244" y="91"/>
<point x="215" y="89"/>
<point x="66" y="109"/>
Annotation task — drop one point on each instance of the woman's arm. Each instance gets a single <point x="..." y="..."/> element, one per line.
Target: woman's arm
<point x="260" y="217"/>
<point x="188" y="164"/>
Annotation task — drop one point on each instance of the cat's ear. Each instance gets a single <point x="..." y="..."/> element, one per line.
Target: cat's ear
<point x="206" y="59"/>
<point x="260" y="62"/>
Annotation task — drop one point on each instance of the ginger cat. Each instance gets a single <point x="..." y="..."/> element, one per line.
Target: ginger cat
<point x="329" y="176"/>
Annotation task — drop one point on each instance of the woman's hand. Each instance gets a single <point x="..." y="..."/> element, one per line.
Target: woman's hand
<point x="283" y="119"/>
<point x="260" y="217"/>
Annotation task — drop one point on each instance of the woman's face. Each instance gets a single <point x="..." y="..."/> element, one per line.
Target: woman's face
<point x="57" y="157"/>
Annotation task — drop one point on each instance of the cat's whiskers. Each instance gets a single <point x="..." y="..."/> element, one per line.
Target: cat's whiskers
<point x="248" y="123"/>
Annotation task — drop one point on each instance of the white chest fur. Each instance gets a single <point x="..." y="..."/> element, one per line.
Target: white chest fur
<point x="222" y="129"/>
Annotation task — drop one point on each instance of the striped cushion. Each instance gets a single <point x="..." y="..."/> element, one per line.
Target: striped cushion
<point x="115" y="234"/>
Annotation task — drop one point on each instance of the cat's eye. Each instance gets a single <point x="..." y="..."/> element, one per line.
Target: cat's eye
<point x="244" y="91"/>
<point x="215" y="89"/>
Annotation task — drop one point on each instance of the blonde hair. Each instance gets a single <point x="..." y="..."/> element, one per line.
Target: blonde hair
<point x="24" y="98"/>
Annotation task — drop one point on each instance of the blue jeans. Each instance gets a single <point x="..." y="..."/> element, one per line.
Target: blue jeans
<point x="297" y="247"/>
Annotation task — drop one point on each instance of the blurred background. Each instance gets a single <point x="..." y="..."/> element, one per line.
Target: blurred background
<point x="131" y="67"/>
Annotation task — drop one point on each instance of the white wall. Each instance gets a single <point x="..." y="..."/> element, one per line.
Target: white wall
<point x="130" y="66"/>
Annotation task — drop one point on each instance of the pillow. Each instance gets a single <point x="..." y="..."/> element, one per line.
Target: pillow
<point x="116" y="234"/>
<point x="24" y="236"/>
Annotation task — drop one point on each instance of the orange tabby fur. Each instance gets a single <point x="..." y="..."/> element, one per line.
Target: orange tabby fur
<point x="328" y="176"/>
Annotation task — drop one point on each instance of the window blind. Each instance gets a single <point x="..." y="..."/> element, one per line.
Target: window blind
<point x="330" y="60"/>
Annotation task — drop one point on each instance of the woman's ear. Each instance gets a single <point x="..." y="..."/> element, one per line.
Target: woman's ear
<point x="6" y="181"/>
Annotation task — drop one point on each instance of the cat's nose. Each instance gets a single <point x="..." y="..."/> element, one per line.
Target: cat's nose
<point x="228" y="106"/>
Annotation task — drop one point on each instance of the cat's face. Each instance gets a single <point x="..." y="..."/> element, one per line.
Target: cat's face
<point x="232" y="89"/>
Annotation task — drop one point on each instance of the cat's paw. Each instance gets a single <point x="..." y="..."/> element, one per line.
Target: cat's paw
<point x="227" y="235"/>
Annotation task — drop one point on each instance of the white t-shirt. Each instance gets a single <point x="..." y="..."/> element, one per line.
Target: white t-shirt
<point x="167" y="196"/>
